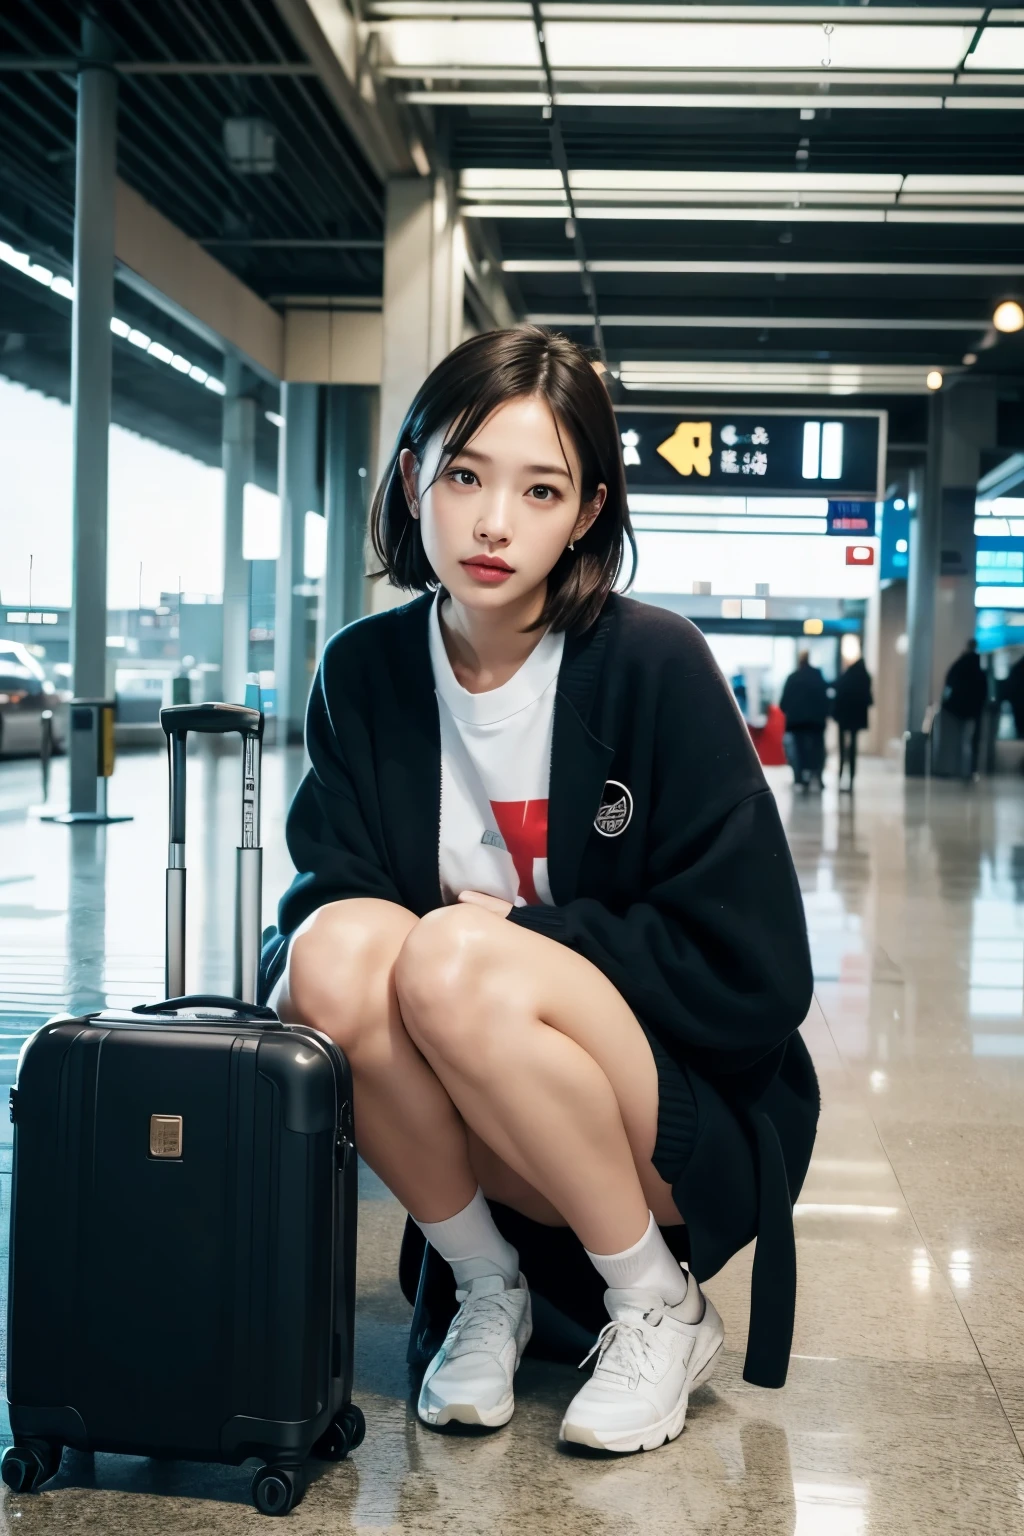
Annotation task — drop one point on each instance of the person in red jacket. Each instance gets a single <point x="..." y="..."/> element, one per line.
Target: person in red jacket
<point x="545" y="904"/>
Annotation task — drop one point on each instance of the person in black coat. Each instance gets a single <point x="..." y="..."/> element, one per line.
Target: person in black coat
<point x="1013" y="693"/>
<point x="853" y="699"/>
<point x="965" y="695"/>
<point x="571" y="1012"/>
<point x="804" y="703"/>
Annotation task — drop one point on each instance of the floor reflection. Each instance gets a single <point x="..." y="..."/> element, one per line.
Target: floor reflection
<point x="906" y="1390"/>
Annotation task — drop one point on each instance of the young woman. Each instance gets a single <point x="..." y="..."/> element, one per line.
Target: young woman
<point x="545" y="904"/>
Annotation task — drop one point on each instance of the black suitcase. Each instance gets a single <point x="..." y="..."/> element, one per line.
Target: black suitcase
<point x="183" y="1215"/>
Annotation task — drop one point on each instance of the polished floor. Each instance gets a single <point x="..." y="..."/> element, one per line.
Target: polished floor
<point x="904" y="1411"/>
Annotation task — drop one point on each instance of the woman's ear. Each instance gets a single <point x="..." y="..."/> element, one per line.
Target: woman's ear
<point x="589" y="513"/>
<point x="410" y="469"/>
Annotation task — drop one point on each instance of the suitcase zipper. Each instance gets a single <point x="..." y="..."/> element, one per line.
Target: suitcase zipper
<point x="345" y="1144"/>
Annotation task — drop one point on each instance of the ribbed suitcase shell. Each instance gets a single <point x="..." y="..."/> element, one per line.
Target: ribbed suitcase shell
<point x="198" y="1306"/>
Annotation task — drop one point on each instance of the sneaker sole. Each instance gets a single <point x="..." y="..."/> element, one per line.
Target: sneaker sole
<point x="709" y="1345"/>
<point x="470" y="1413"/>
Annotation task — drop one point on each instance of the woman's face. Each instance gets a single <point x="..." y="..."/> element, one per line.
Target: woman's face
<point x="503" y="510"/>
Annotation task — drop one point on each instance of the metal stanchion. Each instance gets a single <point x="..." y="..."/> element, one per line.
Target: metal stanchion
<point x="46" y="749"/>
<point x="92" y="765"/>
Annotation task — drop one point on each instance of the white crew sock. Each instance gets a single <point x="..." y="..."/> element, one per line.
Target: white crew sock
<point x="650" y="1266"/>
<point x="470" y="1242"/>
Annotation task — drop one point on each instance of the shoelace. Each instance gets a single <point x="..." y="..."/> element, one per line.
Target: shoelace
<point x="622" y="1348"/>
<point x="481" y="1317"/>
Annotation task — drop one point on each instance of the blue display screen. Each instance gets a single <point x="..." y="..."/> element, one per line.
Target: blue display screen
<point x="894" y="561"/>
<point x="999" y="562"/>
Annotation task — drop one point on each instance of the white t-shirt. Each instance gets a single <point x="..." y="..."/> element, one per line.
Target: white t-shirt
<point x="495" y="768"/>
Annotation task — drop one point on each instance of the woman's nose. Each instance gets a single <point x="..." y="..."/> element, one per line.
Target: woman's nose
<point x="494" y="523"/>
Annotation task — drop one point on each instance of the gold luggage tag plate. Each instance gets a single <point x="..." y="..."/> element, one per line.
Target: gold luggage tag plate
<point x="165" y="1135"/>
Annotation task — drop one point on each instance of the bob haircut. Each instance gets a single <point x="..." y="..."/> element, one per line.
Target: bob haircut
<point x="459" y="396"/>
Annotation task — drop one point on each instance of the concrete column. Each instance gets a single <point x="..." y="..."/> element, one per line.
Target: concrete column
<point x="968" y="427"/>
<point x="424" y="290"/>
<point x="237" y="455"/>
<point x="940" y="589"/>
<point x="346" y="503"/>
<point x="925" y="537"/>
<point x="423" y="293"/>
<point x="299" y="493"/>
<point x="93" y="306"/>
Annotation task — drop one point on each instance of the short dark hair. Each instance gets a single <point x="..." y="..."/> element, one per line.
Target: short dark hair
<point x="462" y="392"/>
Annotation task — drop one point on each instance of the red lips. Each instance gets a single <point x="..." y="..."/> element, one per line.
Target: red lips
<point x="493" y="562"/>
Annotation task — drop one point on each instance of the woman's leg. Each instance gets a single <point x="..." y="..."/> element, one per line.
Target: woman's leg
<point x="547" y="1065"/>
<point x="340" y="979"/>
<point x="551" y="1069"/>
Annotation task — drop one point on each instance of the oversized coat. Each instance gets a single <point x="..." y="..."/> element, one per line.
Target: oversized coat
<point x="669" y="871"/>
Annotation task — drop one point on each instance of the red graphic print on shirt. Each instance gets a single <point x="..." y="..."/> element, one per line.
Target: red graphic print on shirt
<point x="523" y="825"/>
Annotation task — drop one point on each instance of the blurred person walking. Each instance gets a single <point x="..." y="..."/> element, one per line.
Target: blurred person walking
<point x="1013" y="693"/>
<point x="964" y="696"/>
<point x="804" y="703"/>
<point x="853" y="699"/>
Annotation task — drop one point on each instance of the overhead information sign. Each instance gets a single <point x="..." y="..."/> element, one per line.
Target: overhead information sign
<point x="772" y="453"/>
<point x="846" y="517"/>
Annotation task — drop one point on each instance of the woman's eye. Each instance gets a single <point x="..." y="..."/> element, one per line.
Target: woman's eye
<point x="542" y="492"/>
<point x="462" y="477"/>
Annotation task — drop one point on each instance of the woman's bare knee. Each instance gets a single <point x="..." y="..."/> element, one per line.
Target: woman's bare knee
<point x="340" y="976"/>
<point x="451" y="982"/>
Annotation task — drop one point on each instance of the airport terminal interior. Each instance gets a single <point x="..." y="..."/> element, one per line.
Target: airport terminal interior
<point x="234" y="240"/>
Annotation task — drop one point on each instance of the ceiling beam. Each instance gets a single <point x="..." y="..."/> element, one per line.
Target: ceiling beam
<point x="172" y="271"/>
<point x="382" y="145"/>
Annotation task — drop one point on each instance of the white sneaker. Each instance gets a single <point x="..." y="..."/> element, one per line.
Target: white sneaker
<point x="470" y="1378"/>
<point x="647" y="1362"/>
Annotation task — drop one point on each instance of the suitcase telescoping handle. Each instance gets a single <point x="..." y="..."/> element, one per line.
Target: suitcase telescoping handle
<point x="217" y="720"/>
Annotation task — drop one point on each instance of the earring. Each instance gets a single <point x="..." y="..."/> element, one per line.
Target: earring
<point x="572" y="544"/>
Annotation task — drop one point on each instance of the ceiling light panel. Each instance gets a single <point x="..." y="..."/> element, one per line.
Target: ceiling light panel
<point x="638" y="213"/>
<point x="746" y="102"/>
<point x="701" y="215"/>
<point x="792" y="199"/>
<point x="796" y="268"/>
<point x="816" y="15"/>
<point x="433" y="44"/>
<point x="734" y="181"/>
<point x="573" y="10"/>
<point x="759" y="322"/>
<point x="915" y="182"/>
<point x="961" y="200"/>
<point x="986" y="103"/>
<point x="696" y="100"/>
<point x="998" y="48"/>
<point x="954" y="216"/>
<point x="530" y="180"/>
<point x="633" y="44"/>
<point x="596" y="44"/>
<point x="681" y="186"/>
<point x="771" y="378"/>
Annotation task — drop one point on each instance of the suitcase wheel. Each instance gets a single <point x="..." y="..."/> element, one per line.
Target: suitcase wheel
<point x="277" y="1490"/>
<point x="28" y="1464"/>
<point x="353" y="1418"/>
<point x="342" y="1436"/>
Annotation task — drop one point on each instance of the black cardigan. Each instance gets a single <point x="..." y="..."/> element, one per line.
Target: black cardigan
<point x="686" y="900"/>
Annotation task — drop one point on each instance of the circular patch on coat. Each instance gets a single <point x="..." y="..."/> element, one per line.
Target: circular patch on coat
<point x="615" y="811"/>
